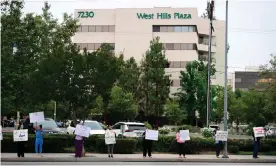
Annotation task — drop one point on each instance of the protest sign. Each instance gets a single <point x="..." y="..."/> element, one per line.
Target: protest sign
<point x="152" y="135"/>
<point x="1" y="135"/>
<point x="184" y="135"/>
<point x="36" y="117"/>
<point x="82" y="131"/>
<point x="259" y="131"/>
<point x="20" y="135"/>
<point x="109" y="137"/>
<point x="221" y="135"/>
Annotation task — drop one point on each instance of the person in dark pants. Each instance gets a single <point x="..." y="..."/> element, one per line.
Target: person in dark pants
<point x="180" y="144"/>
<point x="256" y="146"/>
<point x="20" y="144"/>
<point x="147" y="146"/>
<point x="217" y="143"/>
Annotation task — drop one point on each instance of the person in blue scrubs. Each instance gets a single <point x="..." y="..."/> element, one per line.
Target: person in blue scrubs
<point x="38" y="139"/>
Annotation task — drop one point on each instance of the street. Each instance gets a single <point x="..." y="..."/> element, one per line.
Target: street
<point x="128" y="163"/>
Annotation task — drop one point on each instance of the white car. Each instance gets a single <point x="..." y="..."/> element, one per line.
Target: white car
<point x="271" y="131"/>
<point x="96" y="128"/>
<point x="129" y="129"/>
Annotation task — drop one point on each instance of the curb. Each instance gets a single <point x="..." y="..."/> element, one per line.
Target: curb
<point x="96" y="159"/>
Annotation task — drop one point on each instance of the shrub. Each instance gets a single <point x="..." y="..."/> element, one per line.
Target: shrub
<point x="165" y="144"/>
<point x="148" y="125"/>
<point x="192" y="129"/>
<point x="164" y="130"/>
<point x="207" y="133"/>
<point x="233" y="149"/>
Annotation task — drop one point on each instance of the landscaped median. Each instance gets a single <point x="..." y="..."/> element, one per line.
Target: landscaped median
<point x="165" y="144"/>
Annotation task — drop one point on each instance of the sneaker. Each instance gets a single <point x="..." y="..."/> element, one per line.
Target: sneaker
<point x="144" y="156"/>
<point x="217" y="156"/>
<point x="111" y="156"/>
<point x="108" y="156"/>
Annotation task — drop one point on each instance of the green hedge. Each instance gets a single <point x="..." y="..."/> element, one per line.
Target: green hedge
<point x="165" y="144"/>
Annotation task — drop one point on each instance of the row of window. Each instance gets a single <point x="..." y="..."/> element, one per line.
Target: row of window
<point x="173" y="28"/>
<point x="204" y="57"/>
<point x="178" y="64"/>
<point x="205" y="40"/>
<point x="96" y="28"/>
<point x="92" y="46"/>
<point x="180" y="46"/>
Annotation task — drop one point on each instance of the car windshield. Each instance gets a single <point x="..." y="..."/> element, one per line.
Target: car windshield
<point x="136" y="127"/>
<point x="48" y="124"/>
<point x="93" y="125"/>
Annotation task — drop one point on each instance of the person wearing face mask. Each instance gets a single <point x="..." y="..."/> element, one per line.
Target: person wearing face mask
<point x="38" y="139"/>
<point x="20" y="144"/>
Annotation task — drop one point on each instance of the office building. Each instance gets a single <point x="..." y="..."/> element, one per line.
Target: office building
<point x="181" y="30"/>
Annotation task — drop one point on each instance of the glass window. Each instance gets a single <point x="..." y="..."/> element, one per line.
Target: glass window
<point x="184" y="46"/>
<point x="183" y="64"/>
<point x="176" y="64"/>
<point x="83" y="45"/>
<point x="176" y="46"/>
<point x="164" y="29"/>
<point x="92" y="28"/>
<point x="116" y="126"/>
<point x="97" y="45"/>
<point x="190" y="46"/>
<point x="91" y="46"/>
<point x="99" y="28"/>
<point x="191" y="29"/>
<point x="84" y="28"/>
<point x="105" y="28"/>
<point x="169" y="46"/>
<point x="237" y="79"/>
<point x="155" y="28"/>
<point x="177" y="29"/>
<point x="48" y="124"/>
<point x="184" y="29"/>
<point x="170" y="28"/>
<point x="93" y="125"/>
<point x="136" y="127"/>
<point x="111" y="28"/>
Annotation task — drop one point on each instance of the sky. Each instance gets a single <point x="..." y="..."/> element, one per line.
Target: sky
<point x="251" y="23"/>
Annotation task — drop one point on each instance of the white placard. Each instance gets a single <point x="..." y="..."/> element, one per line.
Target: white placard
<point x="20" y="135"/>
<point x="36" y="117"/>
<point x="259" y="131"/>
<point x="1" y="135"/>
<point x="221" y="135"/>
<point x="184" y="135"/>
<point x="110" y="137"/>
<point x="152" y="135"/>
<point x="83" y="131"/>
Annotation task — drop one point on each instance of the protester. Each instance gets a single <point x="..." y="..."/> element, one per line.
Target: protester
<point x="110" y="146"/>
<point x="38" y="139"/>
<point x="180" y="144"/>
<point x="79" y="146"/>
<point x="147" y="146"/>
<point x="217" y="143"/>
<point x="20" y="144"/>
<point x="256" y="145"/>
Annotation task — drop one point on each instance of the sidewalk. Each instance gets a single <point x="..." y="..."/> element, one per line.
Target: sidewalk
<point x="91" y="157"/>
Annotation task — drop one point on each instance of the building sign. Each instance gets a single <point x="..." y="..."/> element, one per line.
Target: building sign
<point x="147" y="16"/>
<point x="86" y="14"/>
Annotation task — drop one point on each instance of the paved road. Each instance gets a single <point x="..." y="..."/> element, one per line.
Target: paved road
<point x="129" y="163"/>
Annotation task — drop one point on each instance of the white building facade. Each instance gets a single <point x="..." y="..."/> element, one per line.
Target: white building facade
<point x="130" y="30"/>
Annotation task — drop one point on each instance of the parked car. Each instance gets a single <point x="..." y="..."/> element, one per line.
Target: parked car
<point x="271" y="131"/>
<point x="96" y="128"/>
<point x="49" y="126"/>
<point x="129" y="129"/>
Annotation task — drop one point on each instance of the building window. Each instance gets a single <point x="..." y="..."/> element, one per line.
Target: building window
<point x="178" y="64"/>
<point x="96" y="28"/>
<point x="205" y="40"/>
<point x="176" y="28"/>
<point x="92" y="46"/>
<point x="180" y="46"/>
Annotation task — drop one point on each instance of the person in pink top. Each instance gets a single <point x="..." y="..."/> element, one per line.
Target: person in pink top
<point x="180" y="145"/>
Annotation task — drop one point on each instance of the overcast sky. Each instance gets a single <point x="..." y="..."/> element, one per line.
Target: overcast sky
<point x="252" y="23"/>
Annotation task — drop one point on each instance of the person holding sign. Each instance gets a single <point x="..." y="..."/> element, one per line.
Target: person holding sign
<point x="180" y="143"/>
<point x="217" y="143"/>
<point x="38" y="139"/>
<point x="256" y="144"/>
<point x="20" y="144"/>
<point x="79" y="144"/>
<point x="110" y="140"/>
<point x="147" y="145"/>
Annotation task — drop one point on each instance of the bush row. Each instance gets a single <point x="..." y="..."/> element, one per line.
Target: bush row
<point x="165" y="144"/>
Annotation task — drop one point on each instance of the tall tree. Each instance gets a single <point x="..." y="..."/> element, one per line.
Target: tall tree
<point x="155" y="83"/>
<point x="193" y="93"/>
<point x="173" y="112"/>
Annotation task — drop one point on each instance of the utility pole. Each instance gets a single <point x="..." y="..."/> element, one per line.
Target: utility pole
<point x="210" y="10"/>
<point x="225" y="155"/>
<point x="14" y="51"/>
<point x="55" y="110"/>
